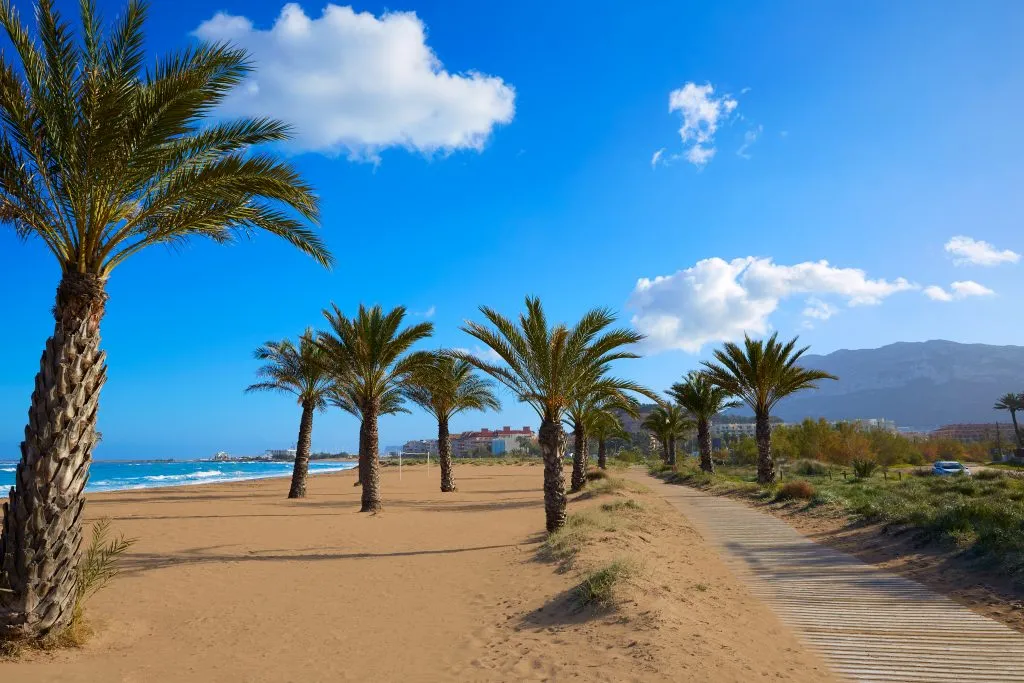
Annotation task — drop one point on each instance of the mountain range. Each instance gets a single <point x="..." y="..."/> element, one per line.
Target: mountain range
<point x="917" y="384"/>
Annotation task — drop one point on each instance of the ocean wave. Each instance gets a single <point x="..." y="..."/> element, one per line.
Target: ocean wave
<point x="8" y="469"/>
<point x="205" y="474"/>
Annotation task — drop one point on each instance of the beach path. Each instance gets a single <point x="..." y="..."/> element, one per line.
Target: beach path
<point x="233" y="582"/>
<point x="868" y="624"/>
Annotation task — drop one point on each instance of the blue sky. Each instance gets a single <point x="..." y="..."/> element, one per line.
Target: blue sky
<point x="880" y="131"/>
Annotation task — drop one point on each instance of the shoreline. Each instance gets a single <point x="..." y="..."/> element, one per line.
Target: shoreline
<point x="327" y="467"/>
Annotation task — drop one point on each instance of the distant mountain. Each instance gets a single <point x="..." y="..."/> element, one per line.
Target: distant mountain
<point x="917" y="384"/>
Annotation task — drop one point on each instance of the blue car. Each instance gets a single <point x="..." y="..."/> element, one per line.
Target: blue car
<point x="945" y="468"/>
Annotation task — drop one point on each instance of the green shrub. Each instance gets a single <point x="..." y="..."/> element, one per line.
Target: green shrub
<point x="597" y="587"/>
<point x="594" y="475"/>
<point x="628" y="505"/>
<point x="630" y="456"/>
<point x="810" y="468"/>
<point x="863" y="468"/>
<point x="796" y="490"/>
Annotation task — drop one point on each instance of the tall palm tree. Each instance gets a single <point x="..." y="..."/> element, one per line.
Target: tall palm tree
<point x="445" y="386"/>
<point x="542" y="366"/>
<point x="667" y="422"/>
<point x="299" y="371"/>
<point x="604" y="424"/>
<point x="590" y="398"/>
<point x="368" y="356"/>
<point x="702" y="399"/>
<point x="1012" y="403"/>
<point x="761" y="373"/>
<point x="101" y="158"/>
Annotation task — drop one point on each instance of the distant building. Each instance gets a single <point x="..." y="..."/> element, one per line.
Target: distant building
<point x="420" y="446"/>
<point x="221" y="457"/>
<point x="973" y="433"/>
<point x="871" y="423"/>
<point x="489" y="441"/>
<point x="281" y="453"/>
<point x="733" y="430"/>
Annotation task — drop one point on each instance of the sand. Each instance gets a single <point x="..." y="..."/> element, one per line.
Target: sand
<point x="232" y="582"/>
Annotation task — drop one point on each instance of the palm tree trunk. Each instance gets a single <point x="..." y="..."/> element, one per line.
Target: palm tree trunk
<point x="301" y="469"/>
<point x="550" y="438"/>
<point x="40" y="545"/>
<point x="672" y="451"/>
<point x="444" y="456"/>
<point x="664" y="451"/>
<point x="1016" y="429"/>
<point x="579" y="460"/>
<point x="360" y="468"/>
<point x="602" y="454"/>
<point x="765" y="464"/>
<point x="704" y="442"/>
<point x="369" y="462"/>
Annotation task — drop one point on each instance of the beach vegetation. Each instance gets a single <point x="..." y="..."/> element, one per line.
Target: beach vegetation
<point x="300" y="371"/>
<point x="595" y="405"/>
<point x="103" y="156"/>
<point x="667" y="422"/>
<point x="369" y="358"/>
<point x="598" y="586"/>
<point x="542" y="364"/>
<point x="761" y="373"/>
<point x="445" y="386"/>
<point x="703" y="400"/>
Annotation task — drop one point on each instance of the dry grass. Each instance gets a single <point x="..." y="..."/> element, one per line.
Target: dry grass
<point x="599" y="586"/>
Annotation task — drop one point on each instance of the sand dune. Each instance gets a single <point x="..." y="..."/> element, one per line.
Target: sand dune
<point x="232" y="582"/>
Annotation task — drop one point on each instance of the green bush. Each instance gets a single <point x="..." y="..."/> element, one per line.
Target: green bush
<point x="810" y="468"/>
<point x="597" y="587"/>
<point x="863" y="468"/>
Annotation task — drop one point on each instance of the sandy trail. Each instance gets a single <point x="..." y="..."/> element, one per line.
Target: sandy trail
<point x="232" y="582"/>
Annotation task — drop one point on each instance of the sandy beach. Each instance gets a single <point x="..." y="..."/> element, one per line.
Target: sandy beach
<point x="232" y="582"/>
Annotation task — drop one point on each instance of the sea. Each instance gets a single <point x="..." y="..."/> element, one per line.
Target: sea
<point x="121" y="475"/>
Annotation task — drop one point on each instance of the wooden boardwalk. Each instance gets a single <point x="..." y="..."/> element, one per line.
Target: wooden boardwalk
<point x="868" y="624"/>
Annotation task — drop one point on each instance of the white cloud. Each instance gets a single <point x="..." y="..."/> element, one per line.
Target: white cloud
<point x="656" y="157"/>
<point x="749" y="138"/>
<point x="486" y="354"/>
<point x="718" y="300"/>
<point x="818" y="309"/>
<point x="962" y="289"/>
<point x="702" y="113"/>
<point x="429" y="313"/>
<point x="356" y="83"/>
<point x="968" y="251"/>
<point x="936" y="293"/>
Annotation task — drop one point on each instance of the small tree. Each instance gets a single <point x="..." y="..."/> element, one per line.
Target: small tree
<point x="700" y="397"/>
<point x="761" y="373"/>
<point x="1012" y="403"/>
<point x="301" y="372"/>
<point x="445" y="386"/>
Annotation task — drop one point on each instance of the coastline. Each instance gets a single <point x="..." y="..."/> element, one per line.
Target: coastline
<point x="109" y="476"/>
<point x="227" y="581"/>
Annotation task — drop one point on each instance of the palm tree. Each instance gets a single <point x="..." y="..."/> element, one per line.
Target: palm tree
<point x="368" y="358"/>
<point x="604" y="424"/>
<point x="344" y="398"/>
<point x="667" y="422"/>
<point x="1012" y="403"/>
<point x="445" y="386"/>
<point x="702" y="399"/>
<point x="761" y="373"/>
<point x="542" y="366"/>
<point x="100" y="159"/>
<point x="299" y="371"/>
<point x="590" y="398"/>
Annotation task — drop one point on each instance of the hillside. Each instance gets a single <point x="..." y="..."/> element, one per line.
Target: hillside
<point x="917" y="384"/>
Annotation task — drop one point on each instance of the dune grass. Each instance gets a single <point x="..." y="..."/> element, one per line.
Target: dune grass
<point x="598" y="587"/>
<point x="982" y="516"/>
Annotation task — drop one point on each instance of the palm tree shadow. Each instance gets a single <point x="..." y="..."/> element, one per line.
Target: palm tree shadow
<point x="564" y="609"/>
